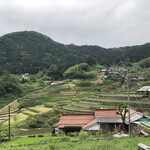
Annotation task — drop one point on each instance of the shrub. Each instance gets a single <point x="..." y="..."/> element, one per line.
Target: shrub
<point x="145" y="63"/>
<point x="31" y="122"/>
<point x="65" y="138"/>
<point x="41" y="83"/>
<point x="85" y="75"/>
<point x="40" y="135"/>
<point x="147" y="94"/>
<point x="83" y="83"/>
<point x="100" y="132"/>
<point x="83" y="135"/>
<point x="33" y="136"/>
<point x="51" y="121"/>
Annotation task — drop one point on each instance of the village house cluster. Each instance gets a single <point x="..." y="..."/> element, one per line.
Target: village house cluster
<point x="105" y="119"/>
<point x="112" y="70"/>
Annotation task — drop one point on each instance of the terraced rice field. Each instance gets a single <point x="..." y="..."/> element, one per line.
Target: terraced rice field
<point x="4" y="112"/>
<point x="90" y="103"/>
<point x="60" y="99"/>
<point x="20" y="116"/>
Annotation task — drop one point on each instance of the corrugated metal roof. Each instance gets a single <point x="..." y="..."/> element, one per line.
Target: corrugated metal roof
<point x="144" y="88"/>
<point x="134" y="117"/>
<point x="109" y="120"/>
<point x="145" y="121"/>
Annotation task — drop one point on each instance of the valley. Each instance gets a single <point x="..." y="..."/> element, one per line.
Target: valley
<point x="48" y="79"/>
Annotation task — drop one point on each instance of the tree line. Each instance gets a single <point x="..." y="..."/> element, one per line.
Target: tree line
<point x="32" y="52"/>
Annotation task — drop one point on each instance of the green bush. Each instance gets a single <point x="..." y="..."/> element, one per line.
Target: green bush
<point x="9" y="84"/>
<point x="145" y="63"/>
<point x="83" y="83"/>
<point x="4" y="132"/>
<point x="40" y="135"/>
<point x="72" y="71"/>
<point x="100" y="132"/>
<point x="65" y="138"/>
<point x="33" y="136"/>
<point x="83" y="135"/>
<point x="41" y="83"/>
<point x="67" y="81"/>
<point x="30" y="122"/>
<point x="85" y="75"/>
<point x="51" y="121"/>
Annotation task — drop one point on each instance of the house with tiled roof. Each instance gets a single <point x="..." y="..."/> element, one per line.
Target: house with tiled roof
<point x="105" y="119"/>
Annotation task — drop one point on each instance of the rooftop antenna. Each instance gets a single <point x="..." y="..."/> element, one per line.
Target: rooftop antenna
<point x="128" y="91"/>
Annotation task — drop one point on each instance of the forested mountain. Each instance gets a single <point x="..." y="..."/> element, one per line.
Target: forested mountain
<point x="31" y="52"/>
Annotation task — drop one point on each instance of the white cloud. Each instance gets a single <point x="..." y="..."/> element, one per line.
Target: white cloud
<point x="98" y="22"/>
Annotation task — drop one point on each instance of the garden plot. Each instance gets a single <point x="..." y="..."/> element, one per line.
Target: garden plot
<point x="36" y="110"/>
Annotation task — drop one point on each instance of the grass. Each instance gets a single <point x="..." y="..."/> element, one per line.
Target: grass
<point x="66" y="143"/>
<point x="94" y="105"/>
<point x="16" y="119"/>
<point x="65" y="96"/>
<point x="39" y="109"/>
<point x="119" y="101"/>
<point x="132" y="95"/>
<point x="77" y="109"/>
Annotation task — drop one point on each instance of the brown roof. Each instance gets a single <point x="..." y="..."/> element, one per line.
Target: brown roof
<point x="90" y="123"/>
<point x="106" y="113"/>
<point x="74" y="120"/>
<point x="132" y="111"/>
<point x="86" y="120"/>
<point x="110" y="113"/>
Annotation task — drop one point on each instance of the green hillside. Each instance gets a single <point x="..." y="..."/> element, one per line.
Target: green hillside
<point x="32" y="52"/>
<point x="36" y="105"/>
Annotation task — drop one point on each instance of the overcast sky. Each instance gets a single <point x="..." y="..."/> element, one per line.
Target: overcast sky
<point x="107" y="23"/>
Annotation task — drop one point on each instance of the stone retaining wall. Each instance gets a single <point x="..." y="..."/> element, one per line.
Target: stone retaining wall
<point x="123" y="98"/>
<point x="117" y="103"/>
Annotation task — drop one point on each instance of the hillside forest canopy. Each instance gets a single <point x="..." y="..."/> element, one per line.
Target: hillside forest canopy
<point x="31" y="52"/>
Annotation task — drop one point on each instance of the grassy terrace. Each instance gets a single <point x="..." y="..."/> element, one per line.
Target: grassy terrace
<point x="66" y="99"/>
<point x="77" y="109"/>
<point x="94" y="105"/>
<point x="66" y="143"/>
<point x="131" y="95"/>
<point x="111" y="100"/>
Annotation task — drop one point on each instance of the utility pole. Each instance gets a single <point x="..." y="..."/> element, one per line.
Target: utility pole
<point x="128" y="91"/>
<point x="9" y="121"/>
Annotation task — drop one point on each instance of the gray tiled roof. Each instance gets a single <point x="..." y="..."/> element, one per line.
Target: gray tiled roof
<point x="109" y="120"/>
<point x="134" y="117"/>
